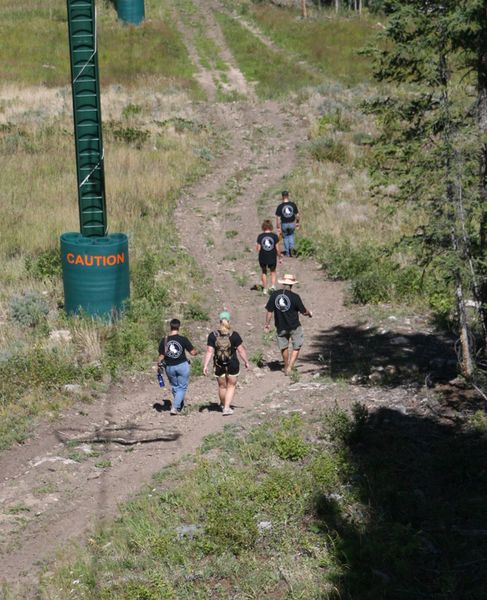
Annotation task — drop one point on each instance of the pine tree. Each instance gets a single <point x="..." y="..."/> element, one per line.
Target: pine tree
<point x="426" y="144"/>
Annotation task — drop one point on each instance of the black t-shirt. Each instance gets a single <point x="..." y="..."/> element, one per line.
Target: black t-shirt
<point x="287" y="211"/>
<point x="173" y="348"/>
<point x="268" y="247"/>
<point x="235" y="341"/>
<point x="286" y="306"/>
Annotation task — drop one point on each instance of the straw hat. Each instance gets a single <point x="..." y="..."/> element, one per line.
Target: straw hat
<point x="288" y="280"/>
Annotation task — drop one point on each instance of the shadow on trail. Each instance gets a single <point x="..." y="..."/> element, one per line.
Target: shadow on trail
<point x="398" y="358"/>
<point x="422" y="529"/>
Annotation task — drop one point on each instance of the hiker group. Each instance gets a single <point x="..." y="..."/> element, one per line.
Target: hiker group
<point x="224" y="345"/>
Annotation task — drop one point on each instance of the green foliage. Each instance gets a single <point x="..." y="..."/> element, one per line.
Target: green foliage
<point x="29" y="310"/>
<point x="305" y="247"/>
<point x="131" y="110"/>
<point x="127" y="345"/>
<point x="342" y="428"/>
<point x="196" y="367"/>
<point x="195" y="312"/>
<point x="36" y="369"/>
<point x="45" y="264"/>
<point x="128" y="135"/>
<point x="288" y="441"/>
<point x="328" y="149"/>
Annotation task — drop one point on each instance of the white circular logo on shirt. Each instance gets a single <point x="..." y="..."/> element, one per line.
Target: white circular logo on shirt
<point x="267" y="243"/>
<point x="287" y="211"/>
<point x="282" y="302"/>
<point x="174" y="349"/>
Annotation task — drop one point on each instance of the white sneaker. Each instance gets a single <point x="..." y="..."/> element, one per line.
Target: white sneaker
<point x="227" y="412"/>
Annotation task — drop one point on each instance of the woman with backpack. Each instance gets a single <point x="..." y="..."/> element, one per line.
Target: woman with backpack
<point x="224" y="345"/>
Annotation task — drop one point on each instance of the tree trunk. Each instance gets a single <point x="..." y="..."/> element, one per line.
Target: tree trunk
<point x="337" y="5"/>
<point x="482" y="127"/>
<point x="304" y="9"/>
<point x="466" y="360"/>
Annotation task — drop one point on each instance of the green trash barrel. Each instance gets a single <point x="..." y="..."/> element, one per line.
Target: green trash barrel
<point x="95" y="273"/>
<point x="131" y="11"/>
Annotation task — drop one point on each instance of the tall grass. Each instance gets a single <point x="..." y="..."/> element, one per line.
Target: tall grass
<point x="275" y="75"/>
<point x="327" y="41"/>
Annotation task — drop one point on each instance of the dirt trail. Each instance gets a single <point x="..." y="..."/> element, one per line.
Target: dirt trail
<point x="52" y="493"/>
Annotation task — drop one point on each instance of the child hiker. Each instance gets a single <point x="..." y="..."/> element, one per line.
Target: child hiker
<point x="269" y="252"/>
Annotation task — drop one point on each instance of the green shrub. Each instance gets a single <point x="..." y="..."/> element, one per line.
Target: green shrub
<point x="334" y="119"/>
<point x="131" y="110"/>
<point x="38" y="368"/>
<point x="196" y="367"/>
<point x="288" y="442"/>
<point x="305" y="247"/>
<point x="371" y="287"/>
<point x="46" y="264"/>
<point x="29" y="310"/>
<point x="342" y="428"/>
<point x="195" y="312"/>
<point x="343" y="261"/>
<point x="328" y="148"/>
<point x="127" y="345"/>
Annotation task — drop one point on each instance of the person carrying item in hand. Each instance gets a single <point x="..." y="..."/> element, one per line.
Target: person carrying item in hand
<point x="224" y="346"/>
<point x="172" y="352"/>
<point x="269" y="252"/>
<point x="287" y="221"/>
<point x="286" y="305"/>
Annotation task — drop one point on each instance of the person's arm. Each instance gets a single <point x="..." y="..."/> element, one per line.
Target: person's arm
<point x="190" y="348"/>
<point x="303" y="310"/>
<point x="243" y="353"/>
<point x="257" y="247"/>
<point x="268" y="317"/>
<point x="278" y="220"/>
<point x="161" y="351"/>
<point x="278" y="249"/>
<point x="208" y="355"/>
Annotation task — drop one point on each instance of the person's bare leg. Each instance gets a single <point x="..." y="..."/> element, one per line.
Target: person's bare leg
<point x="292" y="360"/>
<point x="285" y="355"/>
<point x="273" y="278"/>
<point x="222" y="389"/>
<point x="230" y="391"/>
<point x="264" y="280"/>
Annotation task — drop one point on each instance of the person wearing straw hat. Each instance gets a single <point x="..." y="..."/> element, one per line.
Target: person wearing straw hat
<point x="286" y="305"/>
<point x="225" y="345"/>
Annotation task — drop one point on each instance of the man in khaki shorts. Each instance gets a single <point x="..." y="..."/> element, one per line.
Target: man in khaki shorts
<point x="286" y="306"/>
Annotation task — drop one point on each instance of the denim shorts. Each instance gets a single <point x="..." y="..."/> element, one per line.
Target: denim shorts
<point x="296" y="336"/>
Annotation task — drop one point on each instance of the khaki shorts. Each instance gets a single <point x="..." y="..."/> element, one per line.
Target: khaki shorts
<point x="295" y="335"/>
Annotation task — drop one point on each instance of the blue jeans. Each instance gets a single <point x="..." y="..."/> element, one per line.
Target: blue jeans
<point x="288" y="237"/>
<point x="178" y="376"/>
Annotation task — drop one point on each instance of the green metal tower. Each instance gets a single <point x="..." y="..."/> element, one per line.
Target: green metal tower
<point x="87" y="117"/>
<point x="95" y="263"/>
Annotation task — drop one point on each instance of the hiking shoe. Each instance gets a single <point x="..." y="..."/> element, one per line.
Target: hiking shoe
<point x="173" y="411"/>
<point x="272" y="289"/>
<point x="227" y="411"/>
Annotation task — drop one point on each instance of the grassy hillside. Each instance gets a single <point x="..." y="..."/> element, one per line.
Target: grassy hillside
<point x="330" y="506"/>
<point x="35" y="50"/>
